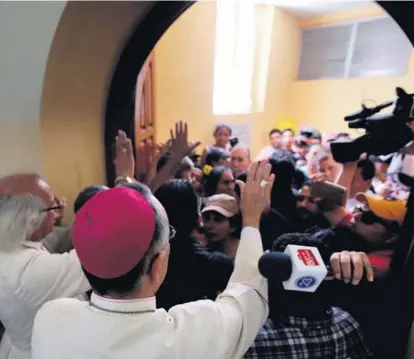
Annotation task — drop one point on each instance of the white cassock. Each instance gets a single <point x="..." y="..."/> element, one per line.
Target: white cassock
<point x="115" y="329"/>
<point x="29" y="277"/>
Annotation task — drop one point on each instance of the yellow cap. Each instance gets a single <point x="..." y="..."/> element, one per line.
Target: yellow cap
<point x="388" y="209"/>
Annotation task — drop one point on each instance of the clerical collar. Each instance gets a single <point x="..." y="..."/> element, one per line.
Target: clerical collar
<point x="127" y="306"/>
<point x="34" y="245"/>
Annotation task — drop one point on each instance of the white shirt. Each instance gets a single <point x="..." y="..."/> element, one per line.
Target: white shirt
<point x="222" y="329"/>
<point x="29" y="277"/>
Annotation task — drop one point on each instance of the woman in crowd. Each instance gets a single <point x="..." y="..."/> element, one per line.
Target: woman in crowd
<point x="222" y="134"/>
<point x="219" y="180"/>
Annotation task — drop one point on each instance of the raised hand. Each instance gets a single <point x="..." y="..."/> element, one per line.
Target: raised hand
<point x="255" y="193"/>
<point x="180" y="147"/>
<point x="147" y="156"/>
<point x="157" y="151"/>
<point x="124" y="156"/>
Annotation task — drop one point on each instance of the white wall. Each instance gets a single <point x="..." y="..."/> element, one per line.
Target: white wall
<point x="26" y="33"/>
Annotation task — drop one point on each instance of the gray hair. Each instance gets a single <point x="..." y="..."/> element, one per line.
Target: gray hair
<point x="20" y="216"/>
<point x="162" y="226"/>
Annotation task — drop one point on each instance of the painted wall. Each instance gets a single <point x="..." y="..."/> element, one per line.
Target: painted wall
<point x="324" y="103"/>
<point x="83" y="55"/>
<point x="184" y="64"/>
<point x="26" y="33"/>
<point x="56" y="62"/>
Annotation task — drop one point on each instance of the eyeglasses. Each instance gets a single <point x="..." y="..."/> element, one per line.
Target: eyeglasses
<point x="54" y="208"/>
<point x="172" y="232"/>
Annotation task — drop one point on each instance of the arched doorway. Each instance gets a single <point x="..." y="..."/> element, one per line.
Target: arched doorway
<point x="120" y="109"/>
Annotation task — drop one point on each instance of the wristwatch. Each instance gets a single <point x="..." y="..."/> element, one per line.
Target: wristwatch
<point x="121" y="180"/>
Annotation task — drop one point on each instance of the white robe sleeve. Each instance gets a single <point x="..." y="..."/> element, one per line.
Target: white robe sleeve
<point x="51" y="276"/>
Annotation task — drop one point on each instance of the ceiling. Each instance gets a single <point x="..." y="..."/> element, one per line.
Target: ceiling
<point x="307" y="8"/>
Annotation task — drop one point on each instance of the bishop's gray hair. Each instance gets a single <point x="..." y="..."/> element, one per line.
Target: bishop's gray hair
<point x="161" y="231"/>
<point x="20" y="216"/>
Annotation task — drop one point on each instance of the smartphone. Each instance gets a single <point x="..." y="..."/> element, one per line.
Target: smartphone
<point x="336" y="194"/>
<point x="234" y="141"/>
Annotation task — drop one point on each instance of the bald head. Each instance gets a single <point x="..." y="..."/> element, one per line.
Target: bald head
<point x="26" y="209"/>
<point x="240" y="159"/>
<point x="26" y="183"/>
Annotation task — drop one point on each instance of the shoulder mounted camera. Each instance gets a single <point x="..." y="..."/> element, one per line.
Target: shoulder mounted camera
<point x="384" y="133"/>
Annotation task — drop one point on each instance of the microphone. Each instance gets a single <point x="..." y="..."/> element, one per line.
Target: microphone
<point x="299" y="268"/>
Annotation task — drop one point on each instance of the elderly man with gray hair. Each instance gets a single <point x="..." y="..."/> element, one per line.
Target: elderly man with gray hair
<point x="30" y="275"/>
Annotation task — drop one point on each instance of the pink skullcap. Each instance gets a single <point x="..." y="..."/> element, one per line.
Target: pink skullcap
<point x="113" y="231"/>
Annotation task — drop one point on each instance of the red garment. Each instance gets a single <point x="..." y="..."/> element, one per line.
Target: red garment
<point x="381" y="260"/>
<point x="346" y="221"/>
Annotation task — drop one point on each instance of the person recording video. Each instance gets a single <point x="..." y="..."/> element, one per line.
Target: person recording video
<point x="373" y="225"/>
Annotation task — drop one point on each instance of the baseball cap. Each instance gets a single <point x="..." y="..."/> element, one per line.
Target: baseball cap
<point x="310" y="131"/>
<point x="222" y="203"/>
<point x="388" y="209"/>
<point x="300" y="141"/>
<point x="113" y="231"/>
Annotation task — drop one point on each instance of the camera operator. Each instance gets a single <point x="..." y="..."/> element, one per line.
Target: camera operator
<point x="373" y="224"/>
<point x="372" y="228"/>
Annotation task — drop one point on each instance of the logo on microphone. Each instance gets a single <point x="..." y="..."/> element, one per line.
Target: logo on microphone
<point x="306" y="282"/>
<point x="307" y="257"/>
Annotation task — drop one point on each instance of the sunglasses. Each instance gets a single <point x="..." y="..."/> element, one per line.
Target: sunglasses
<point x="369" y="218"/>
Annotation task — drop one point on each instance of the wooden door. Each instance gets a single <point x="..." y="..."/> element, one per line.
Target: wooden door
<point x="145" y="107"/>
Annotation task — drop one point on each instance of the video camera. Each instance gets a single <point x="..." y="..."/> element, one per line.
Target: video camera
<point x="384" y="133"/>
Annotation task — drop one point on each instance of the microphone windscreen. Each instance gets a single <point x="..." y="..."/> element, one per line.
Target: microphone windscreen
<point x="275" y="266"/>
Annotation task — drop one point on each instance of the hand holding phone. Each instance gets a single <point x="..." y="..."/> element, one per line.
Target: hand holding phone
<point x="329" y="191"/>
<point x="234" y="141"/>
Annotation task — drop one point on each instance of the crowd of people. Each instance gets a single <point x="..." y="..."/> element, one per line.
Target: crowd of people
<point x="165" y="263"/>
